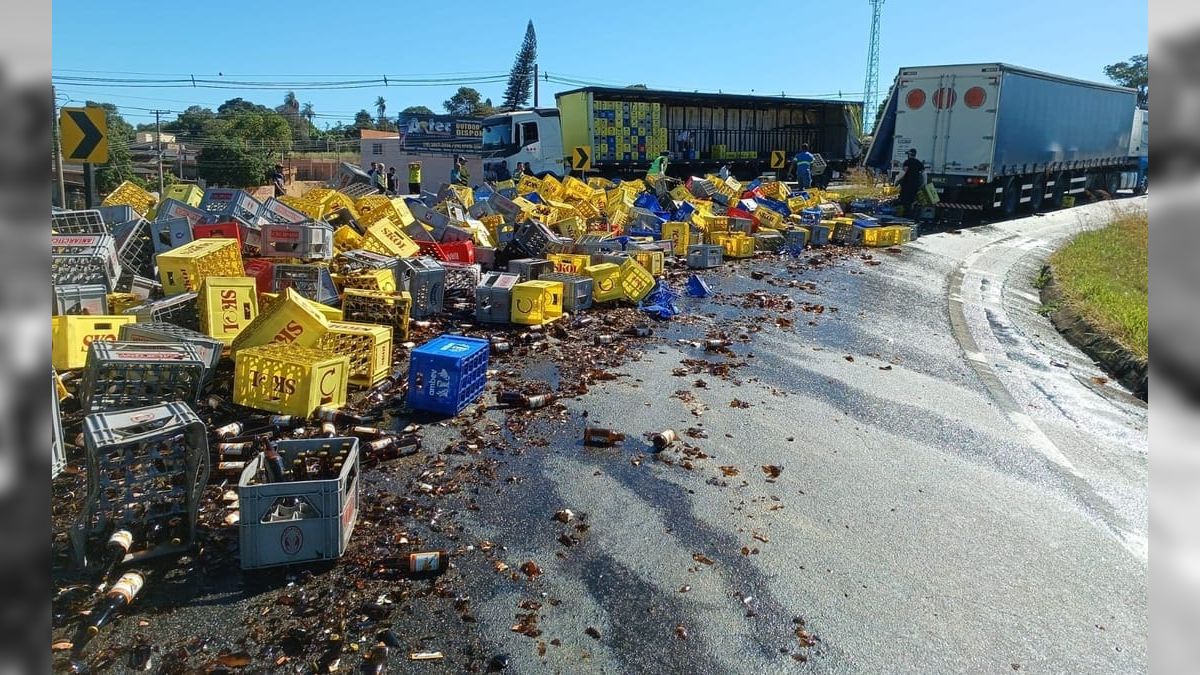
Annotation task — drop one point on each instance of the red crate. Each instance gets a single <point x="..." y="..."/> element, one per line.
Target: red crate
<point x="433" y="249"/>
<point x="459" y="251"/>
<point x="227" y="230"/>
<point x="262" y="270"/>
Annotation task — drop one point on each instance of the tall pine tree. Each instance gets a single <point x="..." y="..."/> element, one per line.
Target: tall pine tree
<point x="520" y="80"/>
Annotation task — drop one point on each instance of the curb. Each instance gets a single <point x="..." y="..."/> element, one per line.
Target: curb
<point x="1117" y="361"/>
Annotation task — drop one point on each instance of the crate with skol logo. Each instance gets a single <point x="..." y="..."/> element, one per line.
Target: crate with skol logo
<point x="227" y="306"/>
<point x="70" y="336"/>
<point x="183" y="269"/>
<point x="369" y="347"/>
<point x="289" y="319"/>
<point x="122" y="375"/>
<point x="289" y="380"/>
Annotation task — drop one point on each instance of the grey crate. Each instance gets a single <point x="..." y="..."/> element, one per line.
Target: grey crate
<point x="173" y="208"/>
<point x="493" y="297"/>
<point x="452" y="232"/>
<point x="461" y="279"/>
<point x="343" y="216"/>
<point x="425" y="280"/>
<point x="348" y="262"/>
<point x="358" y="190"/>
<point x="80" y="299"/>
<point x="530" y="269"/>
<point x="275" y="211"/>
<point x="743" y="225"/>
<point x="118" y="213"/>
<point x="504" y="206"/>
<point x="306" y="241"/>
<point x="88" y="221"/>
<point x="298" y="521"/>
<point x="123" y="375"/>
<point x="312" y="281"/>
<point x="145" y="288"/>
<point x="768" y="241"/>
<point x="481" y="209"/>
<point x="702" y="188"/>
<point x="704" y="256"/>
<point x="485" y="256"/>
<point x="58" y="448"/>
<point x="145" y="467"/>
<point x="208" y="348"/>
<point x="136" y="250"/>
<point x="592" y="244"/>
<point x="170" y="233"/>
<point x="428" y="216"/>
<point x="617" y="259"/>
<point x="223" y="204"/>
<point x="534" y="237"/>
<point x="182" y="310"/>
<point x="577" y="290"/>
<point x="84" y="259"/>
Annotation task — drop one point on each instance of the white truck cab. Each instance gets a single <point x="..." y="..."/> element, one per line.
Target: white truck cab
<point x="533" y="136"/>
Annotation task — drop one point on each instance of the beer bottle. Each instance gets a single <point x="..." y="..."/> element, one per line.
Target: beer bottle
<point x="501" y="346"/>
<point x="368" y="432"/>
<point x="231" y="467"/>
<point x="509" y="397"/>
<point x="328" y="430"/>
<point x="235" y="449"/>
<point x="380" y="445"/>
<point x="601" y="437"/>
<point x="323" y="463"/>
<point x="664" y="438"/>
<point x="604" y="339"/>
<point x="280" y="421"/>
<point x="420" y="564"/>
<point x="274" y="462"/>
<point x="538" y="401"/>
<point x="299" y="471"/>
<point x="231" y="429"/>
<point x="377" y="659"/>
<point x="640" y="331"/>
<point x="328" y="414"/>
<point x="121" y="595"/>
<point x="115" y="550"/>
<point x="714" y="345"/>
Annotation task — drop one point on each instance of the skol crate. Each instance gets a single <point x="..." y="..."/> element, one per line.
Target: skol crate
<point x="298" y="521"/>
<point x="183" y="269"/>
<point x="493" y="297"/>
<point x="888" y="235"/>
<point x="187" y="193"/>
<point x="129" y="194"/>
<point x="385" y="238"/>
<point x="819" y="235"/>
<point x="248" y="237"/>
<point x="289" y="319"/>
<point x="84" y="259"/>
<point x="87" y="221"/>
<point x="606" y="281"/>
<point x="121" y="449"/>
<point x="306" y="241"/>
<point x="567" y="263"/>
<point x="226" y="203"/>
<point x="535" y="303"/>
<point x="371" y="280"/>
<point x="80" y="299"/>
<point x="680" y="236"/>
<point x="367" y="345"/>
<point x="530" y="269"/>
<point x="345" y="238"/>
<point x="207" y="348"/>
<point x="705" y="256"/>
<point x="122" y="375"/>
<point x="652" y="261"/>
<point x="738" y="245"/>
<point x="577" y="290"/>
<point x="378" y="307"/>
<point x="289" y="380"/>
<point x="312" y="281"/>
<point x="71" y="336"/>
<point x="447" y="373"/>
<point x="227" y="305"/>
<point x="119" y="303"/>
<point x="425" y="281"/>
<point x="170" y="233"/>
<point x="181" y="310"/>
<point x="170" y="209"/>
<point x="636" y="282"/>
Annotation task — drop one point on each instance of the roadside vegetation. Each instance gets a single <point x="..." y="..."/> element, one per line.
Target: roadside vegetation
<point x="1103" y="275"/>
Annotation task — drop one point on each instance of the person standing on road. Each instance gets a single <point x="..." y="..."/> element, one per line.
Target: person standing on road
<point x="804" y="161"/>
<point x="277" y="181"/>
<point x="391" y="180"/>
<point x="380" y="178"/>
<point x="910" y="180"/>
<point x="460" y="175"/>
<point x="414" y="178"/>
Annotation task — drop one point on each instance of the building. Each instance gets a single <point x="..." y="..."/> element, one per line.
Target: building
<point x="384" y="146"/>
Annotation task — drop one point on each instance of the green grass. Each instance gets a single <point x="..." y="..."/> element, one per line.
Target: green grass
<point x="1103" y="275"/>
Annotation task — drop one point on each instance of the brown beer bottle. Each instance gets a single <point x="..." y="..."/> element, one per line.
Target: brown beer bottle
<point x="601" y="437"/>
<point x="121" y="595"/>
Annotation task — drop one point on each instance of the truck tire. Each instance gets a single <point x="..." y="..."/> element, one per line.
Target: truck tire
<point x="1037" y="193"/>
<point x="1011" y="200"/>
<point x="1058" y="190"/>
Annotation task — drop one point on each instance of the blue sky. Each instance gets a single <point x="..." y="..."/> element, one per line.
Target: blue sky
<point x="801" y="48"/>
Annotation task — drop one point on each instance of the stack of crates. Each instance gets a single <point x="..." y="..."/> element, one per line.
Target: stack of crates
<point x="306" y="241"/>
<point x="704" y="256"/>
<point x="493" y="297"/>
<point x="288" y="319"/>
<point x="207" y="348"/>
<point x="425" y="282"/>
<point x="447" y="373"/>
<point x="606" y="281"/>
<point x="80" y="299"/>
<point x="636" y="282"/>
<point x="183" y="269"/>
<point x="181" y="310"/>
<point x="289" y="380"/>
<point x="536" y="303"/>
<point x="368" y="346"/>
<point x="84" y="259"/>
<point x="311" y="281"/>
<point x="577" y="290"/>
<point x="122" y="375"/>
<point x="70" y="337"/>
<point x="227" y="305"/>
<point x="122" y="493"/>
<point x="378" y="307"/>
<point x="298" y="521"/>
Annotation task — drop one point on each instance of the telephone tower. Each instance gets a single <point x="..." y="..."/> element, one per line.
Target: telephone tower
<point x="871" y="86"/>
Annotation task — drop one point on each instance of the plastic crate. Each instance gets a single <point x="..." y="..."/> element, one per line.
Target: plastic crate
<point x="170" y="209"/>
<point x="80" y="299"/>
<point x="606" y="281"/>
<point x="459" y="251"/>
<point x="371" y="280"/>
<point x="145" y="467"/>
<point x="705" y="256"/>
<point x="680" y="235"/>
<point x="461" y="279"/>
<point x="298" y="521"/>
<point x="345" y="238"/>
<point x="249" y="237"/>
<point x="425" y="281"/>
<point x="70" y="337"/>
<point x="122" y="375"/>
<point x="738" y="245"/>
<point x="842" y="230"/>
<point x="185" y="192"/>
<point x="378" y="307"/>
<point x="447" y="373"/>
<point x="306" y="241"/>
<point x="275" y="211"/>
<point x="262" y="271"/>
<point x="385" y="238"/>
<point x="768" y="241"/>
<point x="145" y="288"/>
<point x="636" y="282"/>
<point x="566" y="263"/>
<point x="170" y="233"/>
<point x="884" y="235"/>
<point x="181" y="310"/>
<point x="533" y="238"/>
<point x="819" y="235"/>
<point x="58" y="448"/>
<point x="207" y="348"/>
<point x="119" y="303"/>
<point x="536" y="303"/>
<point x="183" y="269"/>
<point x="485" y="257"/>
<point x="311" y="281"/>
<point x="136" y="251"/>
<point x="368" y="346"/>
<point x="577" y="290"/>
<point x="652" y="261"/>
<point x="530" y="269"/>
<point x="129" y="194"/>
<point x="493" y="297"/>
<point x="87" y="221"/>
<point x="84" y="259"/>
<point x="227" y="305"/>
<point x="795" y="240"/>
<point x="227" y="203"/>
<point x="288" y="319"/>
<point x="289" y="380"/>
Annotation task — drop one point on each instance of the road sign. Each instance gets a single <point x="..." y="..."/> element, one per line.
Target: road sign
<point x="84" y="135"/>
<point x="778" y="159"/>
<point x="581" y="159"/>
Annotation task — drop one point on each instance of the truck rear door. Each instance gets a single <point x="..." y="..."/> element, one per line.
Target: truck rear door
<point x="949" y="115"/>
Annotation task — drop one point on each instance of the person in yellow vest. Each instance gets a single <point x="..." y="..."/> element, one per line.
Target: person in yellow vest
<point x="414" y="178"/>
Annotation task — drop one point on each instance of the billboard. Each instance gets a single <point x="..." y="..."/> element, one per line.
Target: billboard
<point x="440" y="133"/>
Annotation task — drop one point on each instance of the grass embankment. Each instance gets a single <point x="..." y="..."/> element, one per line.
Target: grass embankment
<point x="1103" y="276"/>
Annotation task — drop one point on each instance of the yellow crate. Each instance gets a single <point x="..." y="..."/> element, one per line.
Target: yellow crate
<point x="718" y="238"/>
<point x="346" y="238"/>
<point x="129" y="194"/>
<point x="680" y="193"/>
<point x="378" y="307"/>
<point x="71" y="334"/>
<point x="598" y="183"/>
<point x="289" y="319"/>
<point x="550" y="187"/>
<point x="371" y="280"/>
<point x="528" y="184"/>
<point x="573" y="188"/>
<point x="308" y="207"/>
<point x="738" y="245"/>
<point x="227" y="305"/>
<point x="367" y="345"/>
<point x="768" y="218"/>
<point x="606" y="281"/>
<point x="330" y="313"/>
<point x="464" y="195"/>
<point x="505" y="184"/>
<point x="680" y="234"/>
<point x="651" y="261"/>
<point x="187" y="193"/>
<point x="709" y="223"/>
<point x="572" y="227"/>
<point x="289" y="380"/>
<point x="525" y="205"/>
<point x="570" y="263"/>
<point x="636" y="282"/>
<point x="385" y="238"/>
<point x="537" y="302"/>
<point x="331" y="200"/>
<point x="586" y="209"/>
<point x="119" y="302"/>
<point x="183" y="269"/>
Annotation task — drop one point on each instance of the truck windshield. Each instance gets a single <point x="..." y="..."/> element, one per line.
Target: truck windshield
<point x="498" y="135"/>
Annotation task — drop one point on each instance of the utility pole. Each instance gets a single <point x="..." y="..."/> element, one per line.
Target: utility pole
<point x="871" y="86"/>
<point x="535" y="86"/>
<point x="158" y="151"/>
<point x="58" y="157"/>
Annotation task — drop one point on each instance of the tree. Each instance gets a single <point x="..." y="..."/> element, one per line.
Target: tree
<point x="520" y="79"/>
<point x="230" y="162"/>
<point x="1134" y="73"/>
<point x="291" y="102"/>
<point x="307" y="112"/>
<point x="467" y="101"/>
<point x="363" y="120"/>
<point x="120" y="163"/>
<point x="416" y="110"/>
<point x="241" y="144"/>
<point x="236" y="104"/>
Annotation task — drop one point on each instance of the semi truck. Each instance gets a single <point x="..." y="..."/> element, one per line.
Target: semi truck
<point x="1004" y="139"/>
<point x="622" y="130"/>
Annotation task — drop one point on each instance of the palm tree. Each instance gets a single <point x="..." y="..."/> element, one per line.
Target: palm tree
<point x="307" y="112"/>
<point x="291" y="102"/>
<point x="381" y="106"/>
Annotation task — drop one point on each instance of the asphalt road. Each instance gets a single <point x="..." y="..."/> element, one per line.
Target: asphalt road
<point x="954" y="492"/>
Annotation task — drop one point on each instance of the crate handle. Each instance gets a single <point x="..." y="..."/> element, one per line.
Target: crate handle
<point x="142" y="428"/>
<point x="103" y="325"/>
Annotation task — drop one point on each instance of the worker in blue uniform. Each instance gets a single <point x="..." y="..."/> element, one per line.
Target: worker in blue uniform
<point x="804" y="160"/>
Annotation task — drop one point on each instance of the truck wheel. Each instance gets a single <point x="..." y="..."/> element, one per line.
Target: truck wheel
<point x="1059" y="190"/>
<point x="1037" y="193"/>
<point x="1012" y="198"/>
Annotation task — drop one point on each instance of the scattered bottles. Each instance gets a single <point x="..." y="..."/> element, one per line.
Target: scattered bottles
<point x="231" y="429"/>
<point x="597" y="436"/>
<point x="604" y="339"/>
<point x="327" y="414"/>
<point x="714" y="345"/>
<point x="241" y="449"/>
<point x="640" y="331"/>
<point x="369" y="432"/>
<point x="281" y="421"/>
<point x="115" y="550"/>
<point x="510" y="398"/>
<point x="231" y="468"/>
<point x="664" y="438"/>
<point x="501" y="346"/>
<point x="421" y="564"/>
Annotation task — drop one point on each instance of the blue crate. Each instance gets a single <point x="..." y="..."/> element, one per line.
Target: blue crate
<point x="684" y="212"/>
<point x="170" y="233"/>
<point x="447" y="373"/>
<point x="819" y="235"/>
<point x="534" y="198"/>
<point x="775" y="205"/>
<point x="864" y="205"/>
<point x="811" y="215"/>
<point x="646" y="201"/>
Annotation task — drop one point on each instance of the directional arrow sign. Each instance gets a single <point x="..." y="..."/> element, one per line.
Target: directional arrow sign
<point x="581" y="159"/>
<point x="778" y="159"/>
<point x="84" y="135"/>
